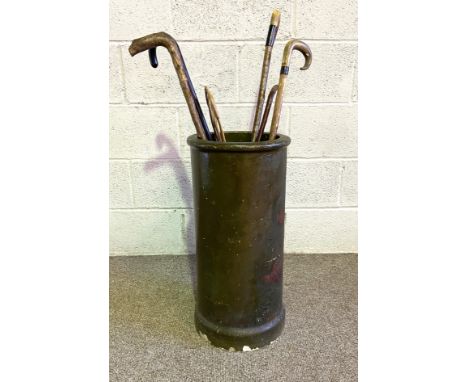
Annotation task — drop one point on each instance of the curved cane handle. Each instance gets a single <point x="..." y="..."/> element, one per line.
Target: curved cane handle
<point x="302" y="47"/>
<point x="150" y="43"/>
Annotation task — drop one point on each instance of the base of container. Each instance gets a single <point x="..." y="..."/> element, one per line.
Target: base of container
<point x="240" y="339"/>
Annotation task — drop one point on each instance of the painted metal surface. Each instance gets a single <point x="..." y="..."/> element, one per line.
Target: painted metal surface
<point x="239" y="201"/>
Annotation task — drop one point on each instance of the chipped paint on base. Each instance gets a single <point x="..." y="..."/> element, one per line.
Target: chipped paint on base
<point x="204" y="336"/>
<point x="247" y="348"/>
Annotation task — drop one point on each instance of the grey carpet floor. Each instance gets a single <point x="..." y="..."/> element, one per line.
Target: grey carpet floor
<point x="152" y="335"/>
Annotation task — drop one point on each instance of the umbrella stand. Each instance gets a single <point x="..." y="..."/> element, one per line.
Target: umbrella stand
<point x="239" y="221"/>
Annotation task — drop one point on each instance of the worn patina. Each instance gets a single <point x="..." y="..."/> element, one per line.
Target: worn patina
<point x="239" y="201"/>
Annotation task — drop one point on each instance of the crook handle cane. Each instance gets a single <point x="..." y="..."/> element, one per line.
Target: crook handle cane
<point x="288" y="49"/>
<point x="150" y="43"/>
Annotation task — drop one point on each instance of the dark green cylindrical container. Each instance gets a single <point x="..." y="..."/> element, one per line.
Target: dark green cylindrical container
<point x="239" y="199"/>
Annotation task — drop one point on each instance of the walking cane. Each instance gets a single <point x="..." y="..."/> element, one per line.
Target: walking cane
<point x="288" y="49"/>
<point x="271" y="96"/>
<point x="151" y="42"/>
<point x="274" y="25"/>
<point x="214" y="115"/>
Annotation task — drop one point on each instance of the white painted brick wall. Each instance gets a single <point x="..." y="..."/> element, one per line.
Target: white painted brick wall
<point x="115" y="75"/>
<point x="349" y="184"/>
<point x="163" y="183"/>
<point x="222" y="42"/>
<point x="326" y="19"/>
<point x="329" y="78"/>
<point x="323" y="131"/>
<point x="151" y="232"/>
<point x="321" y="230"/>
<point x="120" y="184"/>
<point x="133" y="130"/>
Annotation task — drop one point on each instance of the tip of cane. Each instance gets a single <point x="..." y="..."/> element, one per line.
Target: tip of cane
<point x="132" y="50"/>
<point x="275" y="17"/>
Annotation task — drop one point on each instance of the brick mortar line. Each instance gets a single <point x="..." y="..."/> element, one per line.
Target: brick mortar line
<point x="123" y="77"/>
<point x="130" y="179"/>
<point x="138" y="160"/>
<point x="322" y="159"/>
<point x="340" y="184"/>
<point x="186" y="253"/>
<point x="183" y="232"/>
<point x="147" y="253"/>
<point x="232" y="104"/>
<point x="238" y="66"/>
<point x="253" y="41"/>
<point x="178" y="132"/>
<point x="131" y="182"/>
<point x="291" y="158"/>
<point x="294" y="18"/>
<point x="175" y="209"/>
<point x="355" y="75"/>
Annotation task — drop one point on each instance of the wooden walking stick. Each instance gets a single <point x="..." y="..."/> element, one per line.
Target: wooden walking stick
<point x="274" y="25"/>
<point x="214" y="115"/>
<point x="288" y="49"/>
<point x="150" y="43"/>
<point x="271" y="96"/>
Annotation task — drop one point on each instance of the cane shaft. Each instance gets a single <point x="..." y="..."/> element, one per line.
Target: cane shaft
<point x="292" y="45"/>
<point x="150" y="42"/>
<point x="272" y="31"/>
<point x="214" y="116"/>
<point x="277" y="109"/>
<point x="214" y="123"/>
<point x="269" y="102"/>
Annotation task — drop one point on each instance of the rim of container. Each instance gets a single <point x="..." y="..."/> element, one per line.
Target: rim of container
<point x="280" y="141"/>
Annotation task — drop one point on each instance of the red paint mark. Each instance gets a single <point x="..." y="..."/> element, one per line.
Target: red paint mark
<point x="276" y="272"/>
<point x="281" y="217"/>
